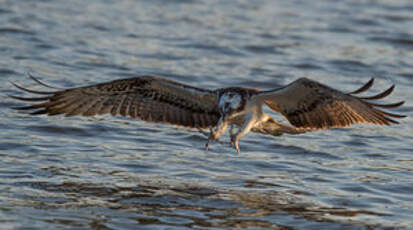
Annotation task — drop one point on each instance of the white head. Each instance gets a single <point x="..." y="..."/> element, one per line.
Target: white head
<point x="229" y="102"/>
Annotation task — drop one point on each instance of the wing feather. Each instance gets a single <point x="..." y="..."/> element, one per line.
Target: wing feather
<point x="77" y="107"/>
<point x="380" y="95"/>
<point x="312" y="105"/>
<point x="124" y="107"/>
<point x="393" y="105"/>
<point x="147" y="97"/>
<point x="365" y="87"/>
<point x="94" y="108"/>
<point x="133" y="110"/>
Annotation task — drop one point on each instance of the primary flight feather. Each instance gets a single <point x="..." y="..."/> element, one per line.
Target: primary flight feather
<point x="307" y="105"/>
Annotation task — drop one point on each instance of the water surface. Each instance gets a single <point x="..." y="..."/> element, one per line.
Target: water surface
<point x="116" y="173"/>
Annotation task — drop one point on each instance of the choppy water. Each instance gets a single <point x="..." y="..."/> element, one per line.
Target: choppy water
<point x="114" y="173"/>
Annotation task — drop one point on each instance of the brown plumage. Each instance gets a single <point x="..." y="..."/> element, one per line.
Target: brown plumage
<point x="311" y="105"/>
<point x="307" y="105"/>
<point x="148" y="98"/>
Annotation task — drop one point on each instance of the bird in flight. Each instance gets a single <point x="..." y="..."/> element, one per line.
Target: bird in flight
<point x="308" y="105"/>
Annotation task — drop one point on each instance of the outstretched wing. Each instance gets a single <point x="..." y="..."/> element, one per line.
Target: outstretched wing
<point x="148" y="98"/>
<point x="312" y="105"/>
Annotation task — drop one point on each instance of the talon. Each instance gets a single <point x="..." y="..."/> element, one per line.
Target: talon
<point x="216" y="132"/>
<point x="210" y="138"/>
<point x="234" y="143"/>
<point x="237" y="147"/>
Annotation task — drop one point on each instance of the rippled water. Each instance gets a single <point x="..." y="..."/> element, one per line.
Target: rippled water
<point x="114" y="173"/>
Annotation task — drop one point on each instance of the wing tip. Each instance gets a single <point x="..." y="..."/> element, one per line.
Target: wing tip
<point x="42" y="83"/>
<point x="381" y="95"/>
<point x="363" y="88"/>
<point x="28" y="98"/>
<point x="30" y="90"/>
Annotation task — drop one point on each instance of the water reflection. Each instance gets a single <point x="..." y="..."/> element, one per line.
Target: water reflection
<point x="161" y="204"/>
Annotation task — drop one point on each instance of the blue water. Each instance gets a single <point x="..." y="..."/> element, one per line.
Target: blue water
<point x="116" y="173"/>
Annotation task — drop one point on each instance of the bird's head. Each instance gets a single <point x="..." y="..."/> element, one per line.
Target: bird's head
<point x="230" y="103"/>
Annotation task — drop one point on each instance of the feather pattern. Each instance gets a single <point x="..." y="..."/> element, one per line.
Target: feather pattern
<point x="312" y="105"/>
<point x="148" y="98"/>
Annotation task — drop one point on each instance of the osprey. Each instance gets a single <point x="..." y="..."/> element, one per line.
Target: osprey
<point x="306" y="104"/>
